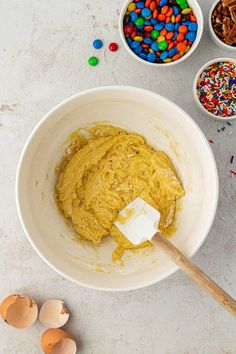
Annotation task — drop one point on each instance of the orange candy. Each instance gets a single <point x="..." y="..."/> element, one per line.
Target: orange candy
<point x="155" y="14"/>
<point x="147" y="3"/>
<point x="193" y="18"/>
<point x="144" y="45"/>
<point x="176" y="57"/>
<point x="170" y="46"/>
<point x="170" y="12"/>
<point x="180" y="37"/>
<point x="138" y="11"/>
<point x="169" y="35"/>
<point x="163" y="32"/>
<point x="153" y="5"/>
<point x="183" y="29"/>
<point x="164" y="10"/>
<point x="181" y="47"/>
<point x="178" y="18"/>
<point x="161" y="17"/>
<point x="168" y="19"/>
<point x="148" y="28"/>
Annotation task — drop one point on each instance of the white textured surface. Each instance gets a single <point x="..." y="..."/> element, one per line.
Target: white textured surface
<point x="43" y="53"/>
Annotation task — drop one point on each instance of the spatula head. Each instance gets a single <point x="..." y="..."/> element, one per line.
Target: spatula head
<point x="138" y="221"/>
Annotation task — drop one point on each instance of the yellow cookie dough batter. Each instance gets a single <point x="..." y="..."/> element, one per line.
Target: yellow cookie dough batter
<point x="100" y="175"/>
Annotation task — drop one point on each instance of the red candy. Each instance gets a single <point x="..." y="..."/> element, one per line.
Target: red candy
<point x="113" y="47"/>
<point x="128" y="29"/>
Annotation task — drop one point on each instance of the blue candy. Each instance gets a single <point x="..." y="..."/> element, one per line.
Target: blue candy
<point x="147" y="40"/>
<point x="163" y="3"/>
<point x="192" y="27"/>
<point x="151" y="57"/>
<point x="133" y="16"/>
<point x="191" y="36"/>
<point x="175" y="36"/>
<point x="154" y="46"/>
<point x="129" y="40"/>
<point x="146" y="12"/>
<point x="140" y="4"/>
<point x="176" y="10"/>
<point x="177" y="25"/>
<point x="138" y="49"/>
<point x="142" y="55"/>
<point x="154" y="21"/>
<point x="134" y="44"/>
<point x="172" y="52"/>
<point x="164" y="55"/>
<point x="147" y="22"/>
<point x="158" y="26"/>
<point x="186" y="23"/>
<point x="170" y="26"/>
<point x="97" y="44"/>
<point x="139" y="27"/>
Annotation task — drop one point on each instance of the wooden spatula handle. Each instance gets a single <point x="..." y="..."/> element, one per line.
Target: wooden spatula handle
<point x="195" y="273"/>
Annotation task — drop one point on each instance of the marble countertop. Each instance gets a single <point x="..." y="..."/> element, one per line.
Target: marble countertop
<point x="43" y="53"/>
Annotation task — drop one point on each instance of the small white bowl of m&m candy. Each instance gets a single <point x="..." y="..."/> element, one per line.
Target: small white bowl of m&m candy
<point x="161" y="32"/>
<point x="214" y="88"/>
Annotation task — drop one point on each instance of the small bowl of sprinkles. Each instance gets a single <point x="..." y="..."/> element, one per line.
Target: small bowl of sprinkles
<point x="214" y="88"/>
<point x="161" y="32"/>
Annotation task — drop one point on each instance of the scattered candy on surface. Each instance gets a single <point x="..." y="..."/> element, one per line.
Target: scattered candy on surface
<point x="216" y="89"/>
<point x="160" y="31"/>
<point x="113" y="47"/>
<point x="97" y="44"/>
<point x="93" y="61"/>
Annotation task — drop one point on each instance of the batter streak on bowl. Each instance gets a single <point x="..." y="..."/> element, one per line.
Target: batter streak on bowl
<point x="100" y="175"/>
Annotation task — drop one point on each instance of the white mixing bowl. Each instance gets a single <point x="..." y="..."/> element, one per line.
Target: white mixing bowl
<point x="166" y="127"/>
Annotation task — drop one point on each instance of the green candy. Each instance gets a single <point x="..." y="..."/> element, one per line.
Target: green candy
<point x="162" y="45"/>
<point x="93" y="61"/>
<point x="182" y="3"/>
<point x="155" y="34"/>
<point x="184" y="6"/>
<point x="139" y="21"/>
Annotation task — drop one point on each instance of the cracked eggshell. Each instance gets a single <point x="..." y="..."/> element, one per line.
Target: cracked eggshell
<point x="53" y="314"/>
<point x="58" y="341"/>
<point x="19" y="311"/>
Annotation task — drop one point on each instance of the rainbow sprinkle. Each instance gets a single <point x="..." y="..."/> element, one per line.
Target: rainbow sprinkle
<point x="216" y="89"/>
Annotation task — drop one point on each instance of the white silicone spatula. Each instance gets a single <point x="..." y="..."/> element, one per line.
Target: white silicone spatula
<point x="139" y="221"/>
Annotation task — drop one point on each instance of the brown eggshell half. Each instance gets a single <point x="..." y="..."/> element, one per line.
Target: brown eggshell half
<point x="64" y="346"/>
<point x="19" y="311"/>
<point x="51" y="337"/>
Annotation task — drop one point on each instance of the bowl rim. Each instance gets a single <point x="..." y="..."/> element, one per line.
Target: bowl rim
<point x="202" y="68"/>
<point x="174" y="268"/>
<point x="222" y="44"/>
<point x="186" y="56"/>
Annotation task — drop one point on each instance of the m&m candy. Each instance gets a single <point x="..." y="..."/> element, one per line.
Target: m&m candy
<point x="97" y="44"/>
<point x="160" y="31"/>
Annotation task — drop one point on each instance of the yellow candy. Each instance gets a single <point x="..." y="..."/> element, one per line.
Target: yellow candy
<point x="172" y="18"/>
<point x="187" y="48"/>
<point x="167" y="60"/>
<point x="186" y="11"/>
<point x="138" y="38"/>
<point x="151" y="50"/>
<point x="161" y="39"/>
<point x="131" y="7"/>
